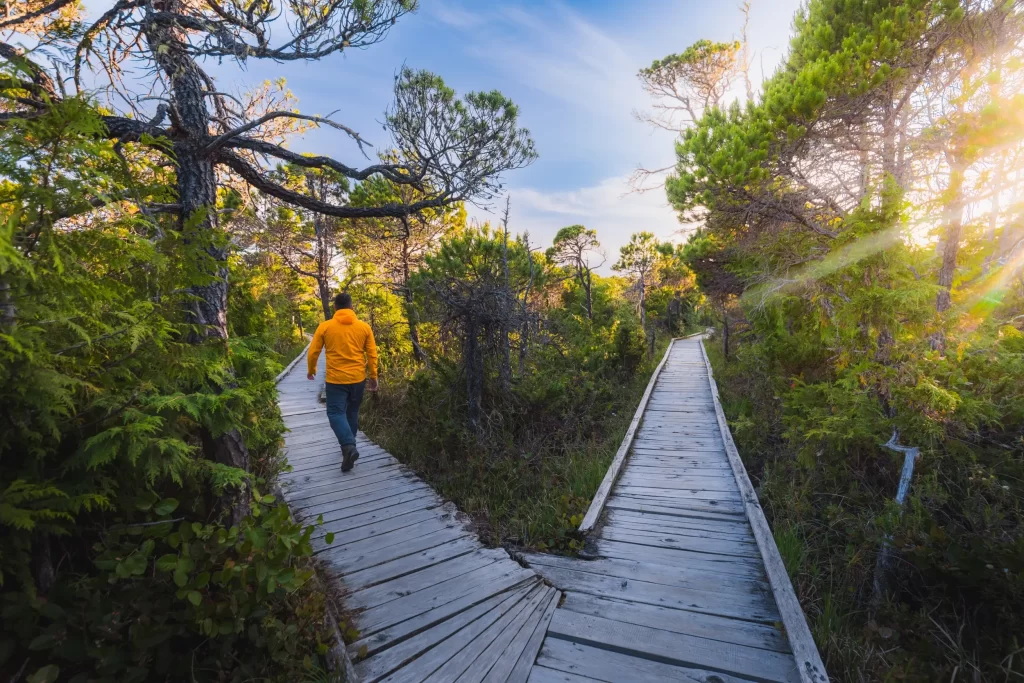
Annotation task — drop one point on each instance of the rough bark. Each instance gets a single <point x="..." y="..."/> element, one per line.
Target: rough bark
<point x="410" y="310"/>
<point x="197" y="195"/>
<point x="324" y="288"/>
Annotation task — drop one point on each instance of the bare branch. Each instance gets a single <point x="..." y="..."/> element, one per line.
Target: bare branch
<point x="221" y="140"/>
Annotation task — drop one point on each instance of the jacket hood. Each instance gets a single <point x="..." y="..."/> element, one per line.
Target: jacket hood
<point x="345" y="316"/>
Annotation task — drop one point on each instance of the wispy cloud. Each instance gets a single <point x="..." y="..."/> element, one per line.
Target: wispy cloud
<point x="453" y="15"/>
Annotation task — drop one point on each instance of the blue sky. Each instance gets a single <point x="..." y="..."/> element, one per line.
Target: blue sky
<point x="570" y="66"/>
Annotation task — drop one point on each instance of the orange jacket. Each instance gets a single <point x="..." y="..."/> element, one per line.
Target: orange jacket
<point x="347" y="340"/>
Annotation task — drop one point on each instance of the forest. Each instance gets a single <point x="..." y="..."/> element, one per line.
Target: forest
<point x="851" y="242"/>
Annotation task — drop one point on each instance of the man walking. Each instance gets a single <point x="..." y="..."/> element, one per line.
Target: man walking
<point x="350" y="349"/>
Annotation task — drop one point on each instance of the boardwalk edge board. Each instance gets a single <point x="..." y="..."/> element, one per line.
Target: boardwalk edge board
<point x="337" y="654"/>
<point x="295" y="361"/>
<point x="605" y="489"/>
<point x="809" y="664"/>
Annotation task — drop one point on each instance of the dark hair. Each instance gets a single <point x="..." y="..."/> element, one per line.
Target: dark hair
<point x="343" y="300"/>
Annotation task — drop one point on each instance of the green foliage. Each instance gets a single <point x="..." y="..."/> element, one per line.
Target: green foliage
<point x="829" y="296"/>
<point x="163" y="586"/>
<point x="106" y="407"/>
<point x="544" y="443"/>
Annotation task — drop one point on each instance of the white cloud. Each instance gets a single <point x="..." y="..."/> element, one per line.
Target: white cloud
<point x="453" y="15"/>
<point x="607" y="207"/>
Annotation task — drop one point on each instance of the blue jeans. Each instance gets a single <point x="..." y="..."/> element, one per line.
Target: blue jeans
<point x="343" y="401"/>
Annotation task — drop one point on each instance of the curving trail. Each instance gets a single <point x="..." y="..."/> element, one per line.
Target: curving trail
<point x="431" y="603"/>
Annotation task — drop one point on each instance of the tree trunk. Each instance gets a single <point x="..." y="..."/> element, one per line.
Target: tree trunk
<point x="505" y="369"/>
<point x="414" y="334"/>
<point x="643" y="304"/>
<point x="473" y="382"/>
<point x="197" y="194"/>
<point x="725" y="333"/>
<point x="953" y="216"/>
<point x="324" y="287"/>
<point x="410" y="312"/>
<point x="590" y="295"/>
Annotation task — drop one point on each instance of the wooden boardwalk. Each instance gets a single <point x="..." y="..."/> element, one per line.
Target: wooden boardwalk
<point x="430" y="602"/>
<point x="685" y="582"/>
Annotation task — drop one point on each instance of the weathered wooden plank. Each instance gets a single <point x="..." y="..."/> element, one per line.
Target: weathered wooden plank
<point x="701" y="625"/>
<point x="349" y="559"/>
<point x="514" y="666"/>
<point x="437" y="657"/>
<point x="671" y="532"/>
<point x="674" y="557"/>
<point x="530" y="615"/>
<point x="343" y="535"/>
<point x="481" y="582"/>
<point x="384" y="661"/>
<point x="605" y="489"/>
<point x="396" y="567"/>
<point x="304" y="489"/>
<point x="690" y="509"/>
<point x="365" y="503"/>
<point x="809" y="664"/>
<point x="540" y="674"/>
<point x="328" y="466"/>
<point x="328" y="500"/>
<point x="682" y="481"/>
<point x="353" y="518"/>
<point x="684" y="499"/>
<point x="339" y="480"/>
<point x="738" y="527"/>
<point x="673" y="648"/>
<point x="681" y="576"/>
<point x="452" y="669"/>
<point x="752" y="606"/>
<point x="421" y="580"/>
<point x="709" y="546"/>
<point x="670" y="494"/>
<point x="402" y="536"/>
<point x="640" y="463"/>
<point x="502" y="588"/>
<point x="573" y="658"/>
<point x="312" y="457"/>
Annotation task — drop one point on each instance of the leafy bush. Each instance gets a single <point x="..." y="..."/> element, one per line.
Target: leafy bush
<point x="172" y="599"/>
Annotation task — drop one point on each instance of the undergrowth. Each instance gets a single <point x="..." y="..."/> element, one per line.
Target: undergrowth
<point x="529" y="480"/>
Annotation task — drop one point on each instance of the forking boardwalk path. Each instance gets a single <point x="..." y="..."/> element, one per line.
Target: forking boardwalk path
<point x="683" y="581"/>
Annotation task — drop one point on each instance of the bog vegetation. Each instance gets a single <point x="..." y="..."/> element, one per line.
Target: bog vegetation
<point x="861" y="242"/>
<point x="859" y="251"/>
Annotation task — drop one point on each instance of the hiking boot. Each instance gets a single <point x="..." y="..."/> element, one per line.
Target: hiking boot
<point x="348" y="457"/>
